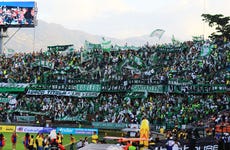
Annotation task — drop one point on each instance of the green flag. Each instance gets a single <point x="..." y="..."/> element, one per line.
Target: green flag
<point x="206" y="50"/>
<point x="138" y="61"/>
<point x="106" y="46"/>
<point x="88" y="46"/>
<point x="10" y="53"/>
<point x="198" y="38"/>
<point x="174" y="41"/>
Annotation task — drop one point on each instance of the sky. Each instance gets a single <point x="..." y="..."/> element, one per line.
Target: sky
<point x="130" y="18"/>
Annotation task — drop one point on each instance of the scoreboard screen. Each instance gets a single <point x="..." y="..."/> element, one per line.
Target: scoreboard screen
<point x="18" y="14"/>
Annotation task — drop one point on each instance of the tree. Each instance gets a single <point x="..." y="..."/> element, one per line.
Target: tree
<point x="220" y="23"/>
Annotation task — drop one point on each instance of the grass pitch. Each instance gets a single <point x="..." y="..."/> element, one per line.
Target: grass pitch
<point x="20" y="138"/>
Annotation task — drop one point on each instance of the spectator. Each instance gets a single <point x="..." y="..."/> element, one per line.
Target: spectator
<point x="54" y="145"/>
<point x="79" y="143"/>
<point x="170" y="143"/>
<point x="176" y="145"/>
<point x="86" y="142"/>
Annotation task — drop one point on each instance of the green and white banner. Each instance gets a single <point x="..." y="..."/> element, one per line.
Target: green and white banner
<point x="106" y="46"/>
<point x="138" y="61"/>
<point x="86" y="56"/>
<point x="179" y="82"/>
<point x="206" y="50"/>
<point x="109" y="125"/>
<point x="148" y="88"/>
<point x="28" y="112"/>
<point x="69" y="118"/>
<point x="7" y="98"/>
<point x="61" y="48"/>
<point x="123" y="48"/>
<point x="197" y="89"/>
<point x="4" y="99"/>
<point x="198" y="38"/>
<point x="88" y="87"/>
<point x="88" y="46"/>
<point x="13" y="87"/>
<point x="25" y="118"/>
<point x="63" y="93"/>
<point x="64" y="87"/>
<point x="43" y="63"/>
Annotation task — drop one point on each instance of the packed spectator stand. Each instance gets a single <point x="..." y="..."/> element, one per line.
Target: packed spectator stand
<point x="171" y="84"/>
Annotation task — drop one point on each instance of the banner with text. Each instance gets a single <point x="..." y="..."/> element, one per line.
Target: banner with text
<point x="148" y="88"/>
<point x="108" y="125"/>
<point x="4" y="128"/>
<point x="25" y="118"/>
<point x="81" y="131"/>
<point x="13" y="87"/>
<point x="206" y="143"/>
<point x="43" y="63"/>
<point x="65" y="87"/>
<point x="88" y="87"/>
<point x="197" y="89"/>
<point x="62" y="93"/>
<point x="28" y="129"/>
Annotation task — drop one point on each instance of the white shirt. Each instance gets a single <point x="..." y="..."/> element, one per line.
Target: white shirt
<point x="176" y="146"/>
<point x="170" y="142"/>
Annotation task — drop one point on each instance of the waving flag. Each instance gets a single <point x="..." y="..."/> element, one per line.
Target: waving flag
<point x="157" y="33"/>
<point x="10" y="53"/>
<point x="198" y="38"/>
<point x="106" y="45"/>
<point x="174" y="41"/>
<point x="138" y="61"/>
<point x="206" y="50"/>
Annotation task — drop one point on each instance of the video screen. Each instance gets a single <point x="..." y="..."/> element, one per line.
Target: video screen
<point x="18" y="14"/>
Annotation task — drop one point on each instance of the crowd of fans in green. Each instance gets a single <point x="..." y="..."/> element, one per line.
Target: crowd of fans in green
<point x="151" y="64"/>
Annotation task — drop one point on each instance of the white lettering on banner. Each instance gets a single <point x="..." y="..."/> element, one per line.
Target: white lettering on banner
<point x="88" y="87"/>
<point x="62" y="93"/>
<point x="160" y="148"/>
<point x="14" y="85"/>
<point x="68" y="130"/>
<point x="43" y="63"/>
<point x="185" y="147"/>
<point x="88" y="131"/>
<point x="148" y="88"/>
<point x="211" y="147"/>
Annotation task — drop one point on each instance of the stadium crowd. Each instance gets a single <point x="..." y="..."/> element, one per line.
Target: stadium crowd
<point x="157" y="64"/>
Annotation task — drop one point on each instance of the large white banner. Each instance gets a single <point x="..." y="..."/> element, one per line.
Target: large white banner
<point x="62" y="93"/>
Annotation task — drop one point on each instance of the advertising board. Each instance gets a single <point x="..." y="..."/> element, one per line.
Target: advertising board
<point x="87" y="131"/>
<point x="4" y="128"/>
<point x="28" y="129"/>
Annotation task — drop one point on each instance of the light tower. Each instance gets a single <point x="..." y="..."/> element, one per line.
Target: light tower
<point x="3" y="34"/>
